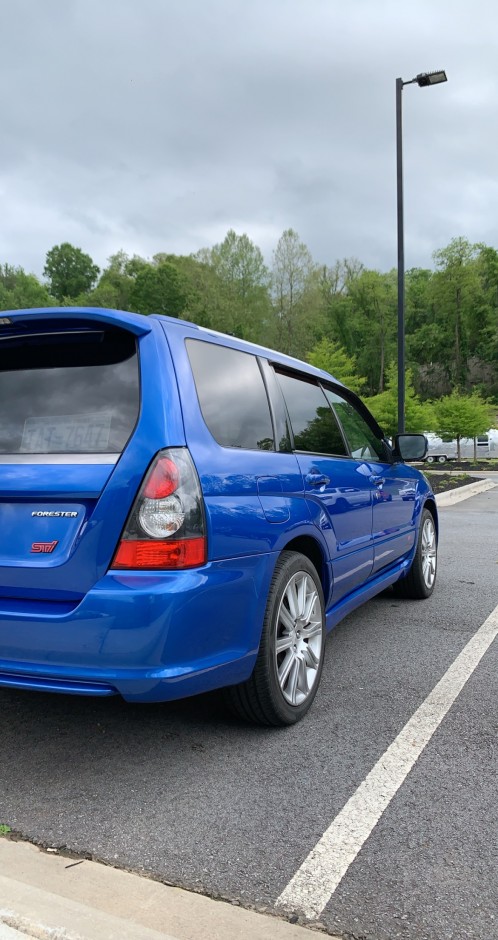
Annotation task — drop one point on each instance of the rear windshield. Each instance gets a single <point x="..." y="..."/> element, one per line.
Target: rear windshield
<point x="68" y="392"/>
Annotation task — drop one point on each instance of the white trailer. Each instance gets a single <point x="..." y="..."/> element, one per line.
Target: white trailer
<point x="439" y="451"/>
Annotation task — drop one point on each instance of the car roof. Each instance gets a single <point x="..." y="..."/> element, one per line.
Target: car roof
<point x="246" y="346"/>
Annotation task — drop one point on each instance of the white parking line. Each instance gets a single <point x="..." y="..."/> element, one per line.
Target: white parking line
<point x="315" y="881"/>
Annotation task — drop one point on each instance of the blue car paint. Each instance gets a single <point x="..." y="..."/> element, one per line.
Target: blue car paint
<point x="69" y="624"/>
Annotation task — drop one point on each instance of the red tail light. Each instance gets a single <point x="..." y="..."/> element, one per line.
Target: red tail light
<point x="175" y="554"/>
<point x="162" y="480"/>
<point x="166" y="527"/>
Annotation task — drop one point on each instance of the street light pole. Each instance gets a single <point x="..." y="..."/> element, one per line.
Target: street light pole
<point x="401" y="260"/>
<point x="422" y="80"/>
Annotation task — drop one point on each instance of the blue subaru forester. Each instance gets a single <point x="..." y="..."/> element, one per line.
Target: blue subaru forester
<point x="182" y="511"/>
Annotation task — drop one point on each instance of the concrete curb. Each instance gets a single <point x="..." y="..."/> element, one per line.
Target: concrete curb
<point x="52" y="897"/>
<point x="464" y="492"/>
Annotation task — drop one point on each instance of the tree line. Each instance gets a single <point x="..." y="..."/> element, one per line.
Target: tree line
<point x="341" y="317"/>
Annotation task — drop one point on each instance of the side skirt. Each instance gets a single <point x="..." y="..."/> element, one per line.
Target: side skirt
<point x="364" y="593"/>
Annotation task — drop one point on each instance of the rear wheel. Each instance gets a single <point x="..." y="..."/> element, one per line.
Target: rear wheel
<point x="290" y="659"/>
<point x="421" y="578"/>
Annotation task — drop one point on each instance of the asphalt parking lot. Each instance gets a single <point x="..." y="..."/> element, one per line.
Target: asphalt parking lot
<point x="194" y="798"/>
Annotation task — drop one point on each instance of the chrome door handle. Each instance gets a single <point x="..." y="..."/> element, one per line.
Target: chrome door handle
<point x="317" y="479"/>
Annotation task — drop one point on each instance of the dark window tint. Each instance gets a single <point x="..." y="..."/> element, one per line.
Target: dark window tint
<point x="313" y="423"/>
<point x="363" y="442"/>
<point x="71" y="393"/>
<point x="232" y="396"/>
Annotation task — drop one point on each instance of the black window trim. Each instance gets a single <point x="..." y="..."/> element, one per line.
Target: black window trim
<point x="278" y="409"/>
<point x="367" y="416"/>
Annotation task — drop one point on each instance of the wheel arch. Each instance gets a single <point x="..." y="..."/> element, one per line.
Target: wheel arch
<point x="311" y="548"/>
<point x="430" y="504"/>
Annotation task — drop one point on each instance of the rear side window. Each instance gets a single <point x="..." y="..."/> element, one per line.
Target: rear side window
<point x="68" y="392"/>
<point x="313" y="422"/>
<point x="232" y="396"/>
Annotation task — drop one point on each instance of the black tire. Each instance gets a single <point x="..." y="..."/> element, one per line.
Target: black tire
<point x="420" y="581"/>
<point x="272" y="696"/>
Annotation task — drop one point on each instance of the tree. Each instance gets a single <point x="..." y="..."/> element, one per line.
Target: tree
<point x="19" y="290"/>
<point x="239" y="261"/>
<point x="331" y="357"/>
<point x="116" y="282"/>
<point x="296" y="294"/>
<point x="485" y="325"/>
<point x="335" y="285"/>
<point x="159" y="289"/>
<point x="209" y="300"/>
<point x="419" y="416"/>
<point x="373" y="317"/>
<point x="455" y="292"/>
<point x="240" y="268"/>
<point x="69" y="271"/>
<point x="459" y="415"/>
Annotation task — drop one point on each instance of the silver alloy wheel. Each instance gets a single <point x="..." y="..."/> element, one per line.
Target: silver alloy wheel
<point x="428" y="552"/>
<point x="298" y="638"/>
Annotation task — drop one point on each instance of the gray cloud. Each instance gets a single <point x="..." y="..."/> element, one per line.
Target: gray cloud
<point x="156" y="126"/>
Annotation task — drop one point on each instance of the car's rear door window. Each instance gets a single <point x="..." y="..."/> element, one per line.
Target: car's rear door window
<point x="314" y="425"/>
<point x="73" y="392"/>
<point x="232" y="396"/>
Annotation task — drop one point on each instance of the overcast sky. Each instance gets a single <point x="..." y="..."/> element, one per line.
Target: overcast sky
<point x="157" y="125"/>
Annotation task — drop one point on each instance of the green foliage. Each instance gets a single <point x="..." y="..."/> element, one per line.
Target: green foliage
<point x="19" y="290"/>
<point x="159" y="289"/>
<point x="419" y="416"/>
<point x="239" y="261"/>
<point x="4" y="829"/>
<point x="208" y="301"/>
<point x="336" y="302"/>
<point x="455" y="293"/>
<point x="344" y="314"/>
<point x="330" y="356"/>
<point x="296" y="295"/>
<point x="458" y="415"/>
<point x="242" y="280"/>
<point x="69" y="271"/>
<point x="116" y="282"/>
<point x="373" y="318"/>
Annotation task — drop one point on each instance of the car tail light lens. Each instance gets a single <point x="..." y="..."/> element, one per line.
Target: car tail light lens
<point x="166" y="527"/>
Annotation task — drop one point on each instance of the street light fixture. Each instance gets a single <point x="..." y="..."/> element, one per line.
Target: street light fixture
<point x="422" y="80"/>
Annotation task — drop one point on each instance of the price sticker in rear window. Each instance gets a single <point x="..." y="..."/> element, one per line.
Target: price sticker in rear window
<point x="66" y="434"/>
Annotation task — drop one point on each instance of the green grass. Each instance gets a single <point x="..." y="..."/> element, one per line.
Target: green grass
<point x="4" y="830"/>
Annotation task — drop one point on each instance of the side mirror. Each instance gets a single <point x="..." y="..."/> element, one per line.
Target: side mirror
<point x="410" y="446"/>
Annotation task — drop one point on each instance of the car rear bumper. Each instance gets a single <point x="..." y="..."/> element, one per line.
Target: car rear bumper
<point x="146" y="636"/>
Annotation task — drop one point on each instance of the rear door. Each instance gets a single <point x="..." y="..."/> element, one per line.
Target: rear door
<point x="337" y="490"/>
<point x="394" y="485"/>
<point x="70" y="398"/>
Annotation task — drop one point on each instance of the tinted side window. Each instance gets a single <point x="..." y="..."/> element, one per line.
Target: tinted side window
<point x="363" y="442"/>
<point x="312" y="420"/>
<point x="232" y="396"/>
